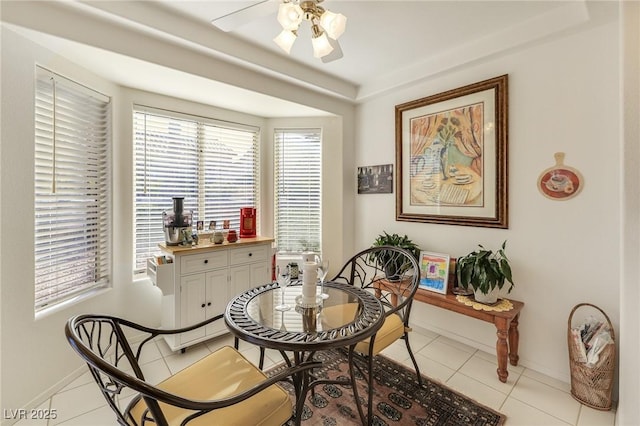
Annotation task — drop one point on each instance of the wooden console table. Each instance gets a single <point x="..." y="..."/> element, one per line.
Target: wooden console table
<point x="506" y="322"/>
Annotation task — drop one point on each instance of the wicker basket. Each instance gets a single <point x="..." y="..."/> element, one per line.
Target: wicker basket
<point x="592" y="385"/>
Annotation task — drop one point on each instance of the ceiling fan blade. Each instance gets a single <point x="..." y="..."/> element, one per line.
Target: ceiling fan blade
<point x="335" y="54"/>
<point x="245" y="15"/>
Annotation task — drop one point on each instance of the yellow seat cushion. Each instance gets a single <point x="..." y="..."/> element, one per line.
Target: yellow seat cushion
<point x="337" y="315"/>
<point x="392" y="329"/>
<point x="222" y="374"/>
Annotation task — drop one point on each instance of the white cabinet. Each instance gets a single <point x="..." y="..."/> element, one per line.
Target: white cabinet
<point x="203" y="296"/>
<point x="204" y="279"/>
<point x="249" y="267"/>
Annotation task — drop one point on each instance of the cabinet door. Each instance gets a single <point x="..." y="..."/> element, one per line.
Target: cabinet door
<point x="193" y="294"/>
<point x="216" y="300"/>
<point x="260" y="274"/>
<point x="240" y="280"/>
<point x="248" y="276"/>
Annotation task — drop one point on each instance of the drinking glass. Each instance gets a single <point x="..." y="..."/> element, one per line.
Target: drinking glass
<point x="283" y="282"/>
<point x="323" y="269"/>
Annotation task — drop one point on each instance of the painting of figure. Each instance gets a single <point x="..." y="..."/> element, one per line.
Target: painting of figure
<point x="447" y="157"/>
<point x="451" y="156"/>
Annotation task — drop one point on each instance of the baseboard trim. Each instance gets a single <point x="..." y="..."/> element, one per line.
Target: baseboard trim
<point x="491" y="349"/>
<point x="60" y="385"/>
<point x="47" y="394"/>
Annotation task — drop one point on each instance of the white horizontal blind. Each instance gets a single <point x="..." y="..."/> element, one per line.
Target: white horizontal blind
<point x="298" y="160"/>
<point x="230" y="159"/>
<point x="213" y="165"/>
<point x="72" y="189"/>
<point x="166" y="166"/>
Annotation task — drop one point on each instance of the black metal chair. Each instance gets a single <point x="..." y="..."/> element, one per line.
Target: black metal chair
<point x="393" y="274"/>
<point x="223" y="388"/>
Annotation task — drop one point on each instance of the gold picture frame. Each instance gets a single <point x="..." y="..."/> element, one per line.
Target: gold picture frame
<point x="451" y="156"/>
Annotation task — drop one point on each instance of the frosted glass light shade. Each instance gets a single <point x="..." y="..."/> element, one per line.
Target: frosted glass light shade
<point x="289" y="16"/>
<point x="285" y="40"/>
<point x="335" y="54"/>
<point x="321" y="46"/>
<point x="333" y="23"/>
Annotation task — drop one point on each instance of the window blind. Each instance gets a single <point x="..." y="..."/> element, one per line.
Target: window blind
<point x="230" y="158"/>
<point x="298" y="160"/>
<point x="212" y="164"/>
<point x="72" y="189"/>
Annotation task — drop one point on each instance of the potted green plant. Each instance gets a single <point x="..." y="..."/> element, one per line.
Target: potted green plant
<point x="393" y="267"/>
<point x="485" y="272"/>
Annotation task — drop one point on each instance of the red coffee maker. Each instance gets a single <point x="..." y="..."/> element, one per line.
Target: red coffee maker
<point x="247" y="222"/>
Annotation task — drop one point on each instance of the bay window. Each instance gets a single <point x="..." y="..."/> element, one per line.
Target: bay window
<point x="71" y="189"/>
<point x="213" y="164"/>
<point x="298" y="173"/>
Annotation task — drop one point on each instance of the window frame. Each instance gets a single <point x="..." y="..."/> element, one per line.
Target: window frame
<point x="72" y="163"/>
<point x="315" y="246"/>
<point x="203" y="139"/>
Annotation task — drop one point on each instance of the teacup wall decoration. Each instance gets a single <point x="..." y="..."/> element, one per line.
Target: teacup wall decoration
<point x="560" y="182"/>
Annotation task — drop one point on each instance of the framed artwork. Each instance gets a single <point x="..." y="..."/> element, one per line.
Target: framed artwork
<point x="451" y="156"/>
<point x="434" y="271"/>
<point x="560" y="182"/>
<point x="200" y="225"/>
<point x="375" y="179"/>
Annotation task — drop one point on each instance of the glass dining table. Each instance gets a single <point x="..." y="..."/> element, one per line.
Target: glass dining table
<point x="348" y="316"/>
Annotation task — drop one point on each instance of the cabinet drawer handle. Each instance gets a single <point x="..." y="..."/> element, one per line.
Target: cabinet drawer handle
<point x="202" y="306"/>
<point x="250" y="254"/>
<point x="209" y="304"/>
<point x="206" y="261"/>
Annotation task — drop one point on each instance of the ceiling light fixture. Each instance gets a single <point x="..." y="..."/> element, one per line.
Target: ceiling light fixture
<point x="326" y="27"/>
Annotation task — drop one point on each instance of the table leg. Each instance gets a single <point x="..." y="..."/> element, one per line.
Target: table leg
<point x="300" y="386"/>
<point x="502" y="349"/>
<point x="514" y="340"/>
<point x="352" y="377"/>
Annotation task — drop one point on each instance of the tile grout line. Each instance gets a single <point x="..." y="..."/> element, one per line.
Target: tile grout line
<point x="474" y="353"/>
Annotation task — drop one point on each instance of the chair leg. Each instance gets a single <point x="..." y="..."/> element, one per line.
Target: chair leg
<point x="261" y="364"/>
<point x="370" y="383"/>
<point x="413" y="358"/>
<point x="236" y="343"/>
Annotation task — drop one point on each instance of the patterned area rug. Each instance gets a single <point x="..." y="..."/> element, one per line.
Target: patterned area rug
<point x="398" y="399"/>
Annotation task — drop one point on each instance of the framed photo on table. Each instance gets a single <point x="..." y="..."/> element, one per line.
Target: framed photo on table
<point x="434" y="271"/>
<point x="451" y="156"/>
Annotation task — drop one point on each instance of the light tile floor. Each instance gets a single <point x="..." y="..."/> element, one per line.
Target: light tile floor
<point x="528" y="397"/>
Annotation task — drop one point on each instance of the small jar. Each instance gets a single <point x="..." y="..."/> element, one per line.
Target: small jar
<point x="294" y="271"/>
<point x="218" y="238"/>
<point x="232" y="236"/>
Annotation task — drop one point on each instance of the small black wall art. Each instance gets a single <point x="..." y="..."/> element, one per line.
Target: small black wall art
<point x="375" y="179"/>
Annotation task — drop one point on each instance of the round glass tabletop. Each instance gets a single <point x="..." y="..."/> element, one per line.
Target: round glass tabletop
<point x="346" y="317"/>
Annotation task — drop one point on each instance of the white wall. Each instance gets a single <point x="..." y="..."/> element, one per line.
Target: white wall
<point x="563" y="96"/>
<point x="141" y="289"/>
<point x="629" y="409"/>
<point x="333" y="221"/>
<point x="31" y="347"/>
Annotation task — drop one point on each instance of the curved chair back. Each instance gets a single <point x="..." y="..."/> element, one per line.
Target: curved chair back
<point x="391" y="272"/>
<point x="101" y="341"/>
<point x="221" y="388"/>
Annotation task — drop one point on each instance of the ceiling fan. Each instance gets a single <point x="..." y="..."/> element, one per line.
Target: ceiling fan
<point x="326" y="26"/>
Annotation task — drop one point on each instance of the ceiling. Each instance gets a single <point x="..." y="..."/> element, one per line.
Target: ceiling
<point x="381" y="36"/>
<point x="386" y="44"/>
